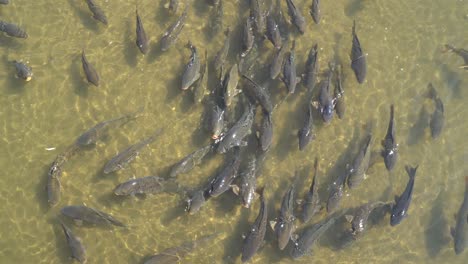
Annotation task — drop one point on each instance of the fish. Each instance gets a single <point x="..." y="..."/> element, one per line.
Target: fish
<point x="460" y="52"/>
<point x="254" y="238"/>
<point x="315" y="11"/>
<point x="360" y="163"/>
<point x="175" y="254"/>
<point x="305" y="134"/>
<point x="310" y="76"/>
<point x="460" y="231"/>
<point x="272" y="32"/>
<point x="259" y="93"/>
<point x="258" y="16"/>
<point x="12" y="30"/>
<point x="360" y="216"/>
<point x="173" y="5"/>
<point x="190" y="161"/>
<point x="23" y="71"/>
<point x="222" y="54"/>
<point x="216" y="124"/>
<point x="98" y="14"/>
<point x="437" y="118"/>
<point x="326" y="103"/>
<point x="4" y="2"/>
<point x="247" y="37"/>
<point x="238" y="131"/>
<point x="196" y="200"/>
<point x="145" y="185"/>
<point x="76" y="245"/>
<point x="97" y="132"/>
<point x="390" y="146"/>
<point x="142" y="41"/>
<point x="289" y="70"/>
<point x="216" y="21"/>
<point x="248" y="183"/>
<point x="340" y="106"/>
<point x="119" y="161"/>
<point x="81" y="213"/>
<point x="192" y="69"/>
<point x="230" y="85"/>
<point x="336" y="192"/>
<point x="277" y="64"/>
<point x="222" y="181"/>
<point x="201" y="86"/>
<point x="400" y="209"/>
<point x="246" y="63"/>
<point x="53" y="185"/>
<point x="91" y="74"/>
<point x="358" y="59"/>
<point x="266" y="132"/>
<point x="172" y="33"/>
<point x="284" y="225"/>
<point x="311" y="204"/>
<point x="296" y="17"/>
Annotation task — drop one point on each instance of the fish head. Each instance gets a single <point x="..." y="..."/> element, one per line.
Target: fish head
<point x="195" y="202"/>
<point x="397" y="216"/>
<point x="327" y="113"/>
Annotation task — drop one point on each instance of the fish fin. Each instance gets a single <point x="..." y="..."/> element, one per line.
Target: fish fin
<point x="452" y="232"/>
<point x="273" y="224"/>
<point x="235" y="189"/>
<point x="349" y="218"/>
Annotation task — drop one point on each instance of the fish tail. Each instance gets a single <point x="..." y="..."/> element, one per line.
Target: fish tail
<point x="392" y="110"/>
<point x="431" y="93"/>
<point x="411" y="171"/>
<point x="354" y="27"/>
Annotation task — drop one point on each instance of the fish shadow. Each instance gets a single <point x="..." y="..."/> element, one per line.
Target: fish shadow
<point x="417" y="130"/>
<point x="62" y="249"/>
<point x="131" y="50"/>
<point x="287" y="139"/>
<point x="41" y="190"/>
<point x="234" y="243"/>
<point x="174" y="213"/>
<point x="85" y="17"/>
<point x="452" y="80"/>
<point x="353" y="7"/>
<point x="436" y="237"/>
<point x="339" y="236"/>
<point x="80" y="88"/>
<point x="155" y="52"/>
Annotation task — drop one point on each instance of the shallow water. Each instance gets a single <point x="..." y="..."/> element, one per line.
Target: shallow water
<point x="403" y="41"/>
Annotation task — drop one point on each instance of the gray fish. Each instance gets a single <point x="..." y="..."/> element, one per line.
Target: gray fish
<point x="247" y="37"/>
<point x="145" y="185"/>
<point x="311" y="204"/>
<point x="360" y="216"/>
<point x="296" y="17"/>
<point x="266" y="132"/>
<point x="81" y="213"/>
<point x="53" y="185"/>
<point x="326" y="102"/>
<point x="248" y="183"/>
<point x="305" y="134"/>
<point x="290" y="78"/>
<point x="97" y="132"/>
<point x="400" y="209"/>
<point x="23" y="71"/>
<point x="311" y="68"/>
<point x="258" y="15"/>
<point x="172" y="33"/>
<point x="284" y="225"/>
<point x="460" y="52"/>
<point x="175" y="254"/>
<point x="336" y="192"/>
<point x="196" y="201"/>
<point x="98" y="14"/>
<point x="238" y="131"/>
<point x="360" y="163"/>
<point x="222" y="181"/>
<point x="201" y="86"/>
<point x="190" y="161"/>
<point x="12" y="30"/>
<point x="315" y="11"/>
<point x="460" y="231"/>
<point x="260" y="94"/>
<point x="217" y="18"/>
<point x="119" y="161"/>
<point x="254" y="239"/>
<point x="278" y="61"/>
<point x="390" y="146"/>
<point x="273" y="32"/>
<point x="216" y="121"/>
<point x="230" y="85"/>
<point x="340" y="106"/>
<point x="358" y="59"/>
<point x="192" y="69"/>
<point x="437" y="118"/>
<point x="222" y="54"/>
<point x="91" y="74"/>
<point x="141" y="39"/>
<point x="76" y="245"/>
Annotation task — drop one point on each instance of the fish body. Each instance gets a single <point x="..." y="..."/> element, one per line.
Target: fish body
<point x="196" y="200"/>
<point x="248" y="183"/>
<point x="89" y="215"/>
<point x="326" y="101"/>
<point x="216" y="125"/>
<point x="340" y="106"/>
<point x="247" y="37"/>
<point x="230" y="85"/>
<point x="23" y="71"/>
<point x="217" y="18"/>
<point x="336" y="192"/>
<point x="266" y="132"/>
<point x="258" y="16"/>
<point x="172" y="33"/>
<point x="142" y="41"/>
<point x="53" y="185"/>
<point x="311" y="204"/>
<point x="358" y="59"/>
<point x="259" y="93"/>
<point x="76" y="245"/>
<point x="390" y="151"/>
<point x="12" y="30"/>
<point x="222" y="54"/>
<point x="222" y="181"/>
<point x="201" y="86"/>
<point x="460" y="231"/>
<point x="285" y="223"/>
<point x="296" y="17"/>
<point x="277" y="63"/>
<point x="273" y="32"/>
<point x="361" y="215"/>
<point x="315" y="11"/>
<point x="98" y="13"/>
<point x="289" y="71"/>
<point x="4" y="2"/>
<point x="144" y="185"/>
<point x="238" y="131"/>
<point x="190" y="161"/>
<point x="254" y="238"/>
<point x="192" y="69"/>
<point x="460" y="52"/>
<point x="91" y="74"/>
<point x="400" y="209"/>
<point x="311" y="68"/>
<point x="305" y="134"/>
<point x="360" y="163"/>
<point x="437" y="120"/>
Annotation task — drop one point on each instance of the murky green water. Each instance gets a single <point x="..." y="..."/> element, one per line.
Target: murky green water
<point x="403" y="40"/>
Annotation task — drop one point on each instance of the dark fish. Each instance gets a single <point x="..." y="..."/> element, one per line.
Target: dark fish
<point x="326" y="103"/>
<point x="311" y="69"/>
<point x="75" y="244"/>
<point x="12" y="30"/>
<point x="221" y="56"/>
<point x="190" y="161"/>
<point x="175" y="254"/>
<point x="202" y="84"/>
<point x="238" y="131"/>
<point x="260" y="94"/>
<point x="254" y="238"/>
<point x="315" y="11"/>
<point x="277" y="63"/>
<point x="460" y="52"/>
<point x="460" y="231"/>
<point x="192" y="69"/>
<point x="216" y="124"/>
<point x="289" y="71"/>
<point x="90" y="72"/>
<point x="172" y="33"/>
<point x="273" y="32"/>
<point x="390" y="151"/>
<point x="217" y="17"/>
<point x="98" y="14"/>
<point x="248" y="183"/>
<point x="53" y="185"/>
<point x="119" y="161"/>
<point x="358" y="59"/>
<point x="81" y="213"/>
<point x="311" y="204"/>
<point x="141" y="39"/>
<point x="336" y="192"/>
<point x="145" y="185"/>
<point x="400" y="209"/>
<point x="222" y="181"/>
<point x="437" y="118"/>
<point x="296" y="17"/>
<point x="258" y="16"/>
<point x="266" y="132"/>
<point x="360" y="164"/>
<point x="23" y="71"/>
<point x="305" y="133"/>
<point x="360" y="216"/>
<point x="230" y="85"/>
<point x="97" y="132"/>
<point x="247" y="37"/>
<point x="340" y="106"/>
<point x="196" y="201"/>
<point x="284" y="225"/>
